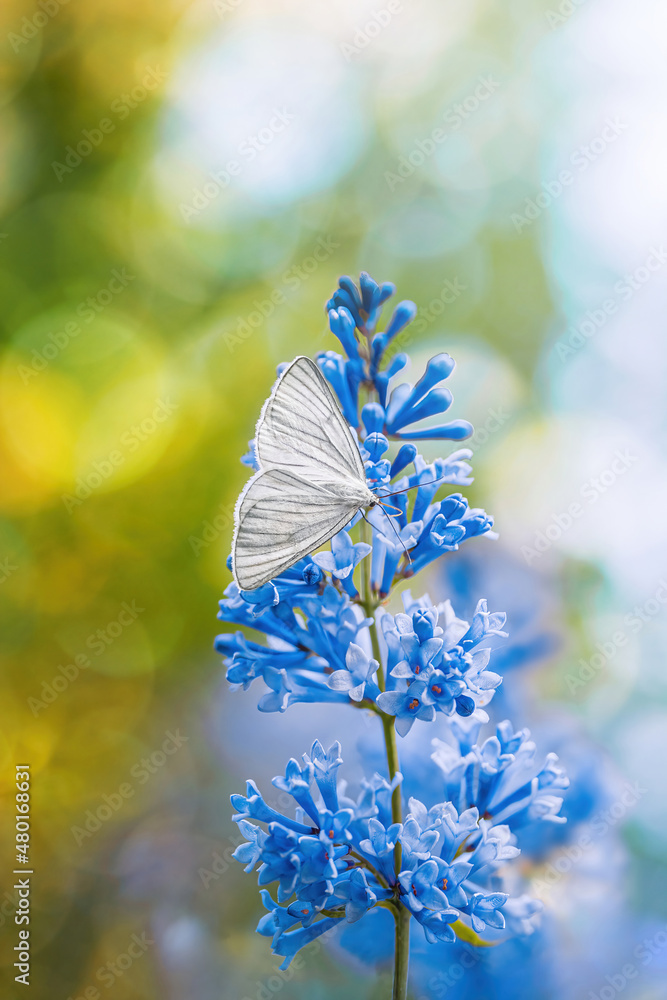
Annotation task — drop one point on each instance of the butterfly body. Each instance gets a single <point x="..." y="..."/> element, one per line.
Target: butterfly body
<point x="311" y="480"/>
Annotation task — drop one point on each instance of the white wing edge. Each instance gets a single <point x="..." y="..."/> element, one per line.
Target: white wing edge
<point x="237" y="526"/>
<point x="327" y="388"/>
<point x="260" y="420"/>
<point x="274" y="387"/>
<point x="237" y="515"/>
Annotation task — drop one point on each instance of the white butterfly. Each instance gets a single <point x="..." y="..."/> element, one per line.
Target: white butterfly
<point x="311" y="480"/>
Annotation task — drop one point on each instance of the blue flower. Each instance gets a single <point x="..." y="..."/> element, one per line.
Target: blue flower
<point x="448" y="693"/>
<point x="417" y="844"/>
<point x="407" y="706"/>
<point x="316" y="635"/>
<point x="423" y="887"/>
<point x="334" y="826"/>
<point x="290" y="942"/>
<point x="363" y="303"/>
<point x="297" y="661"/>
<point x="380" y="845"/>
<point x="318" y="859"/>
<point x="250" y="852"/>
<point x="325" y="769"/>
<point x="436" y="925"/>
<point x="344" y="862"/>
<point x="358" y="677"/>
<point x="403" y="542"/>
<point x="354" y="313"/>
<point x="391" y="544"/>
<point x="343" y="559"/>
<point x="486" y="910"/>
<point x="408" y="405"/>
<point x="278" y="918"/>
<point x="254" y="806"/>
<point x="297" y="782"/>
<point x="420" y="637"/>
<point x="359" y="896"/>
<point x="322" y="866"/>
<point x="450" y="879"/>
<point x="428" y="666"/>
<point x="512" y="787"/>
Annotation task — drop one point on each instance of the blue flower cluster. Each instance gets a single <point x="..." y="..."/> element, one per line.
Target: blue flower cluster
<point x="501" y="776"/>
<point x="430" y="529"/>
<point x="420" y="529"/>
<point x="338" y="859"/>
<point x="432" y="660"/>
<point x="354" y="313"/>
<point x="437" y="668"/>
<point x="335" y="860"/>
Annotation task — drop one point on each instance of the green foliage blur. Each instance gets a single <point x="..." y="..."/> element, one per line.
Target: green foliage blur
<point x="138" y="346"/>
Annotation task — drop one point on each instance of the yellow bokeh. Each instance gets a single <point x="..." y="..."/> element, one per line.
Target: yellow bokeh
<point x="39" y="420"/>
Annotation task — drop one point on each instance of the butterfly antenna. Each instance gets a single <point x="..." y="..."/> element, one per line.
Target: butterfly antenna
<point x="429" y="483"/>
<point x="365" y="518"/>
<point x="389" y="516"/>
<point x="391" y="506"/>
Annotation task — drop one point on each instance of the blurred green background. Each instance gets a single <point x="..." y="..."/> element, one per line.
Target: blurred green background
<point x="180" y="186"/>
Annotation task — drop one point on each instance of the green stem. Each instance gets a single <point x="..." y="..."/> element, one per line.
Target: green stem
<point x="370" y="603"/>
<point x="465" y="933"/>
<point x="401" y="914"/>
<point x="402" y="954"/>
<point x="366" y="864"/>
<point x="392" y="764"/>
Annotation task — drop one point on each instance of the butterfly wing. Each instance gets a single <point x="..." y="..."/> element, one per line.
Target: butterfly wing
<point x="301" y="427"/>
<point x="282" y="517"/>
